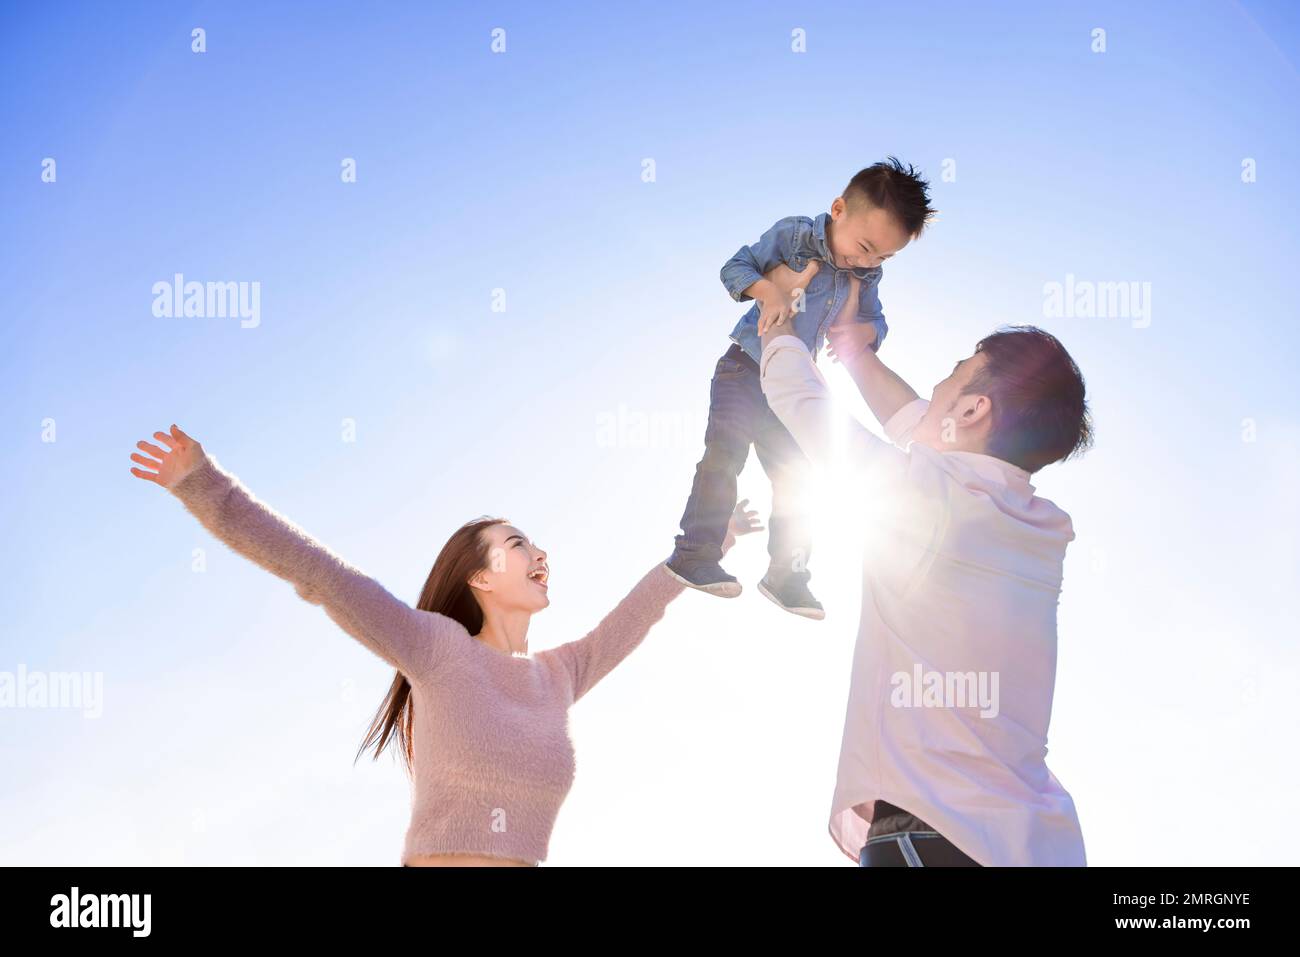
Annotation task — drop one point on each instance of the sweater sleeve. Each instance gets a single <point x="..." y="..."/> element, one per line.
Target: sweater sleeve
<point x="411" y="640"/>
<point x="590" y="658"/>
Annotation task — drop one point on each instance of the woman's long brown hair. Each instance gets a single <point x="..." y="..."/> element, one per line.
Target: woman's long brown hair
<point x="447" y="592"/>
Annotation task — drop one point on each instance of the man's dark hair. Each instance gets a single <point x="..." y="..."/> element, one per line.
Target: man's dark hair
<point x="1040" y="414"/>
<point x="895" y="187"/>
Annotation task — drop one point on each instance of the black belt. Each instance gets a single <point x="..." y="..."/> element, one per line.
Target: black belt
<point x="879" y="851"/>
<point x="884" y="808"/>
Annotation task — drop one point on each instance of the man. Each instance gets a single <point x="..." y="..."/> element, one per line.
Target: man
<point x="945" y="736"/>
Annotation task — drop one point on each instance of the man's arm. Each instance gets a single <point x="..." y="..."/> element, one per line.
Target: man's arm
<point x="869" y="311"/>
<point x="853" y="344"/>
<point x="883" y="389"/>
<point x="800" y="398"/>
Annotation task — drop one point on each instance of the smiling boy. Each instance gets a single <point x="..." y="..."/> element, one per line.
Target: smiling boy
<point x="882" y="209"/>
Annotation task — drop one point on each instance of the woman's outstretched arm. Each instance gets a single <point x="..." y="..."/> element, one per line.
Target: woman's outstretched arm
<point x="590" y="658"/>
<point x="410" y="640"/>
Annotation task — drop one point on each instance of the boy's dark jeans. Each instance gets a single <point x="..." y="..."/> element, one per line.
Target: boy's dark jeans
<point x="738" y="417"/>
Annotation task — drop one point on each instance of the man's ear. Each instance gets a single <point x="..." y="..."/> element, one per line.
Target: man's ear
<point x="838" y="207"/>
<point x="975" y="410"/>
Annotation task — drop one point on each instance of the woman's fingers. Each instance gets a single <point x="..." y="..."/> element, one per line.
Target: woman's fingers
<point x="151" y="476"/>
<point x="177" y="444"/>
<point x="743" y="519"/>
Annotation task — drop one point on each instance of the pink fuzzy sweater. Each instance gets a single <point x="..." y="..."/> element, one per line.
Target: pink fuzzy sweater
<point x="493" y="756"/>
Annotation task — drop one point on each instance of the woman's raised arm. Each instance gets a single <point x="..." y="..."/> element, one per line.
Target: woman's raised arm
<point x="590" y="658"/>
<point x="410" y="640"/>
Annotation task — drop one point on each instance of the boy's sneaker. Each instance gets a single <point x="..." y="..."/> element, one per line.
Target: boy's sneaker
<point x="792" y="595"/>
<point x="705" y="576"/>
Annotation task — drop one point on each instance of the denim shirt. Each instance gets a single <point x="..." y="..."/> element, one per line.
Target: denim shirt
<point x="793" y="241"/>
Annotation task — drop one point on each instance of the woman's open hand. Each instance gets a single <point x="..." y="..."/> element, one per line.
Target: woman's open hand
<point x="173" y="463"/>
<point x="743" y="521"/>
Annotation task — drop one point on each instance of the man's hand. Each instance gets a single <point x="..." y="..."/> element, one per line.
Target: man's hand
<point x="771" y="334"/>
<point x="785" y="289"/>
<point x="846" y="339"/>
<point x="779" y="293"/>
<point x="788" y="282"/>
<point x="774" y="307"/>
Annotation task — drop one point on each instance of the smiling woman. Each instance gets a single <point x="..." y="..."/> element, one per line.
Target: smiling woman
<point x="482" y="726"/>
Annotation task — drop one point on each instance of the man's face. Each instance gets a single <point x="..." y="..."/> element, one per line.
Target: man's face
<point x="956" y="420"/>
<point x="862" y="237"/>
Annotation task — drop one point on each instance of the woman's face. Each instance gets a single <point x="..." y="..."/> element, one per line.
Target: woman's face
<point x="515" y="578"/>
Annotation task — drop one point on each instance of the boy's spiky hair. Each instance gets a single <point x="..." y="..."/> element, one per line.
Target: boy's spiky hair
<point x="896" y="187"/>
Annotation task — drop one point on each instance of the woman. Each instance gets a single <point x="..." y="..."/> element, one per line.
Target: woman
<point x="482" y="725"/>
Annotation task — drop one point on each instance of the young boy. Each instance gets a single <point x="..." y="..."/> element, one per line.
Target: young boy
<point x="882" y="209"/>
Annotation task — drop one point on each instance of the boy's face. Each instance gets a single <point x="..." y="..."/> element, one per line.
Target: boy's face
<point x="862" y="237"/>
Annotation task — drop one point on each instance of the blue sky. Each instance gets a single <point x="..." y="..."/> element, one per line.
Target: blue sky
<point x="232" y="709"/>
